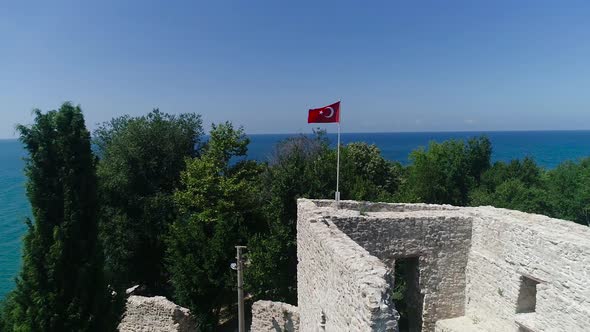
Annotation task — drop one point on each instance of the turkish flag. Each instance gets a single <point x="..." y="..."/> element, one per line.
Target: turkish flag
<point x="326" y="114"/>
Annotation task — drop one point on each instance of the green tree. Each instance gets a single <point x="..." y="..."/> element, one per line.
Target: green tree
<point x="446" y="172"/>
<point x="517" y="185"/>
<point x="139" y="170"/>
<point x="367" y="175"/>
<point x="60" y="287"/>
<point x="8" y="313"/>
<point x="305" y="166"/>
<point x="300" y="166"/>
<point x="525" y="171"/>
<point x="516" y="195"/>
<point x="568" y="188"/>
<point x="219" y="207"/>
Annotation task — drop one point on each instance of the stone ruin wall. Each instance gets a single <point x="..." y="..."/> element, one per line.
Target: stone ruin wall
<point x="341" y="287"/>
<point x="155" y="314"/>
<point x="274" y="316"/>
<point x="509" y="247"/>
<point x="476" y="265"/>
<point x="438" y="239"/>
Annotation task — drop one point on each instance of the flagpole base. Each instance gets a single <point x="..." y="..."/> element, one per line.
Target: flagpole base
<point x="337" y="198"/>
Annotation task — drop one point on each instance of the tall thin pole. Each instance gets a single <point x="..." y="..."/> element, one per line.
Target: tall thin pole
<point x="338" y="169"/>
<point x="240" y="268"/>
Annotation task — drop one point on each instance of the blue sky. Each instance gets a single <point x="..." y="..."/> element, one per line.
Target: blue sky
<point x="397" y="66"/>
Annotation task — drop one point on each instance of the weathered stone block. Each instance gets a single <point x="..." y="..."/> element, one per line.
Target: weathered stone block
<point x="155" y="314"/>
<point x="270" y="316"/>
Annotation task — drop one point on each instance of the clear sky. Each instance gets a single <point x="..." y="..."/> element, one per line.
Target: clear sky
<point x="396" y="65"/>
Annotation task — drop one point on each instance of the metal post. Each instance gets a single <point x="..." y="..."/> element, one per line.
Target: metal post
<point x="240" y="268"/>
<point x="338" y="170"/>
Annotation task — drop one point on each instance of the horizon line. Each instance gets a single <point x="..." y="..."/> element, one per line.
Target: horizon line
<point x="401" y="132"/>
<point x="436" y="131"/>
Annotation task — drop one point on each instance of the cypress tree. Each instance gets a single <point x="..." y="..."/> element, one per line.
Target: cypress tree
<point x="60" y="287"/>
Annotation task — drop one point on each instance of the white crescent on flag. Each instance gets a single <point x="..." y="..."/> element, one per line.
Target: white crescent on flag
<point x="331" y="112"/>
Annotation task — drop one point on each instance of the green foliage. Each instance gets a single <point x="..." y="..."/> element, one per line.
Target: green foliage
<point x="568" y="188"/>
<point x="139" y="170"/>
<point x="305" y="166"/>
<point x="515" y="185"/>
<point x="60" y="287"/>
<point x="526" y="171"/>
<point x="399" y="294"/>
<point x="219" y="207"/>
<point x="367" y="175"/>
<point x="172" y="209"/>
<point x="514" y="194"/>
<point x="447" y="171"/>
<point x="522" y="185"/>
<point x="299" y="167"/>
<point x="8" y="312"/>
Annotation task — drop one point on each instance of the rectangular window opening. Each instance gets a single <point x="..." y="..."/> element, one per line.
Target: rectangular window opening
<point x="527" y="295"/>
<point x="407" y="296"/>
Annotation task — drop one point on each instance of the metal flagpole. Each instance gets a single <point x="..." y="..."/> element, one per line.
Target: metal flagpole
<point x="240" y="268"/>
<point x="338" y="163"/>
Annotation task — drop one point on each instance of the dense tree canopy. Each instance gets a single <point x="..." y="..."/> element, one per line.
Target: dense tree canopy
<point x="514" y="185"/>
<point x="446" y="172"/>
<point x="562" y="192"/>
<point x="60" y="287"/>
<point x="172" y="207"/>
<point x="304" y="166"/>
<point x="219" y="207"/>
<point x="300" y="166"/>
<point x="367" y="175"/>
<point x="568" y="191"/>
<point x="141" y="159"/>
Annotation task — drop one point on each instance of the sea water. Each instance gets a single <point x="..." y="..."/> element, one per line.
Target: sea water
<point x="14" y="208"/>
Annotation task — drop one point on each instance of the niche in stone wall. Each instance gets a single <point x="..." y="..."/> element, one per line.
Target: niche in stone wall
<point x="323" y="321"/>
<point x="407" y="297"/>
<point x="527" y="295"/>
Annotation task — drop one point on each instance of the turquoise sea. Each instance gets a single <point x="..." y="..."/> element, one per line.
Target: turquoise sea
<point x="548" y="148"/>
<point x="14" y="208"/>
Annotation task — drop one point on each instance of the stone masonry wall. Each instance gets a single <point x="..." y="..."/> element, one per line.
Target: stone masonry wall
<point x="270" y="316"/>
<point x="509" y="245"/>
<point x="155" y="314"/>
<point x="480" y="268"/>
<point x="440" y="238"/>
<point x="341" y="287"/>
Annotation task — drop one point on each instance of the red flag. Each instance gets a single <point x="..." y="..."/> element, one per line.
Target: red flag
<point x="326" y="114"/>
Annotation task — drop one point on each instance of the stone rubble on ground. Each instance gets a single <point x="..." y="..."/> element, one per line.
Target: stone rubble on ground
<point x="155" y="314"/>
<point x="274" y="316"/>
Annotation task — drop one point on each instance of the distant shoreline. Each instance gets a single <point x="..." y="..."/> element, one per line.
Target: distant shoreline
<point x="412" y="132"/>
<point x="435" y="132"/>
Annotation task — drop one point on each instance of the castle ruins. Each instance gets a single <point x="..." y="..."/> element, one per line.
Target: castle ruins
<point x="465" y="269"/>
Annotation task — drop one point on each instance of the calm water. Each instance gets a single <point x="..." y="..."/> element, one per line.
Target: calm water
<point x="14" y="207"/>
<point x="548" y="148"/>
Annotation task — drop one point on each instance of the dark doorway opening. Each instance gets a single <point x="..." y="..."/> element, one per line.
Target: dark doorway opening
<point x="406" y="295"/>
<point x="527" y="295"/>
